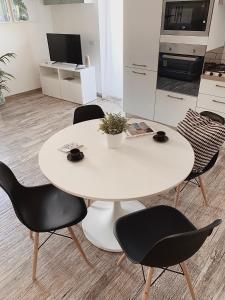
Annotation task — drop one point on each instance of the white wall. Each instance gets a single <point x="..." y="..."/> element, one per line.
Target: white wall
<point x="217" y="30"/>
<point x="28" y="41"/>
<point x="80" y="19"/>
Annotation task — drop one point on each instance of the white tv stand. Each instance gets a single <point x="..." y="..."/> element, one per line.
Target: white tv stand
<point x="65" y="81"/>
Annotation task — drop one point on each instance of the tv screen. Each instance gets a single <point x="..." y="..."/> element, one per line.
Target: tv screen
<point x="65" y="48"/>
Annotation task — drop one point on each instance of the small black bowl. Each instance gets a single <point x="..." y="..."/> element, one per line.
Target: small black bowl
<point x="75" y="155"/>
<point x="160" y="137"/>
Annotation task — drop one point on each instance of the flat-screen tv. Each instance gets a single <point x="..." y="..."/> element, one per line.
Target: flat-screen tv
<point x="65" y="48"/>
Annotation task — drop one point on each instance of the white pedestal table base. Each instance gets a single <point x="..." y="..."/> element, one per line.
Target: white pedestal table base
<point x="99" y="222"/>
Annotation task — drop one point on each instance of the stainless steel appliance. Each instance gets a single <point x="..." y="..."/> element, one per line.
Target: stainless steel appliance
<point x="187" y="17"/>
<point x="181" y="61"/>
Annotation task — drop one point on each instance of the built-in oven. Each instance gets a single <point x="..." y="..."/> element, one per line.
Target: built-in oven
<point x="180" y="67"/>
<point x="187" y="17"/>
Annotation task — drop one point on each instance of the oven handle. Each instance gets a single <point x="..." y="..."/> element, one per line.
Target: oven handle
<point x="137" y="65"/>
<point x="217" y="101"/>
<point x="220" y="86"/>
<point x="139" y="73"/>
<point x="173" y="97"/>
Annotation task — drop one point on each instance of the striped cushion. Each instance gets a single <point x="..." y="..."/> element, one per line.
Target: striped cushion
<point x="205" y="136"/>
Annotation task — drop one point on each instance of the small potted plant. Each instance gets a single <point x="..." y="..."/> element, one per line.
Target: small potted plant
<point x="4" y="76"/>
<point x="113" y="125"/>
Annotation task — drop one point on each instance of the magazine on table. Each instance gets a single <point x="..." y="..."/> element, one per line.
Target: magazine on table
<point x="68" y="147"/>
<point x="138" y="129"/>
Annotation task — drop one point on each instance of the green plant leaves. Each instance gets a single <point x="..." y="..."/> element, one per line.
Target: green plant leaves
<point x="4" y="76"/>
<point x="113" y="124"/>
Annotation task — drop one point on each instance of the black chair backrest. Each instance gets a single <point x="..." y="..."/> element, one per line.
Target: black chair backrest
<point x="87" y="112"/>
<point x="213" y="116"/>
<point x="13" y="189"/>
<point x="177" y="248"/>
<point x="9" y="182"/>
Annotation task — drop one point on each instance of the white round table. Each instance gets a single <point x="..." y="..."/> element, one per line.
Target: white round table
<point x="116" y="178"/>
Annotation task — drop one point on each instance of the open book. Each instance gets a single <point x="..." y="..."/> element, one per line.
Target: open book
<point x="137" y="129"/>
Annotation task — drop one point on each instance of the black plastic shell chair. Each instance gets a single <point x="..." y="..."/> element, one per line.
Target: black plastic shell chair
<point x="43" y="209"/>
<point x="197" y="176"/>
<point x="160" y="237"/>
<point x="87" y="112"/>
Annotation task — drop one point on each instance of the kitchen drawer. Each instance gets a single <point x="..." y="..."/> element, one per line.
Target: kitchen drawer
<point x="211" y="103"/>
<point x="139" y="92"/>
<point x="171" y="108"/>
<point x="212" y="87"/>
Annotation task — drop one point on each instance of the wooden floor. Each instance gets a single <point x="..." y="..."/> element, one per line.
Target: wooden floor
<point x="25" y="123"/>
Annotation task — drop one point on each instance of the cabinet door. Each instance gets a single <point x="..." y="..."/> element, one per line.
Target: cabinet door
<point x="171" y="108"/>
<point x="211" y="103"/>
<point x="139" y="92"/>
<point x="212" y="87"/>
<point x="142" y="24"/>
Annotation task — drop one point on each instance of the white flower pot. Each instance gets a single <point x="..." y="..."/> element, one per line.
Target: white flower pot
<point x="114" y="141"/>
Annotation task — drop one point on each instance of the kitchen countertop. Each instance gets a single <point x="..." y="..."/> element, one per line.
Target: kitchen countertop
<point x="215" y="78"/>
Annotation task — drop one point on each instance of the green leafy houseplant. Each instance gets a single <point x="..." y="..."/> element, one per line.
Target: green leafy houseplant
<point x="4" y="76"/>
<point x="113" y="124"/>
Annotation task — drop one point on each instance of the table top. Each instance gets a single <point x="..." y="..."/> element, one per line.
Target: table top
<point x="140" y="168"/>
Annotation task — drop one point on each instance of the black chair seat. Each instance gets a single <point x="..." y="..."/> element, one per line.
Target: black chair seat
<point x="138" y="232"/>
<point x="87" y="112"/>
<point x="45" y="208"/>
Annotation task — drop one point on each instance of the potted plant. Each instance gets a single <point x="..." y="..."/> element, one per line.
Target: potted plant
<point x="4" y="76"/>
<point x="113" y="125"/>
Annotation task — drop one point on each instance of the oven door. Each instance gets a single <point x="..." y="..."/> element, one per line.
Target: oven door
<point x="180" y="67"/>
<point x="187" y="17"/>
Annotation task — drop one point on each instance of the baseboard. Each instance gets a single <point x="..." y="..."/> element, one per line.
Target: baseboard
<point x="27" y="93"/>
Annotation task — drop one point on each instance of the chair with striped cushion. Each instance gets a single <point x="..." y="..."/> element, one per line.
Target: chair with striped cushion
<point x="196" y="175"/>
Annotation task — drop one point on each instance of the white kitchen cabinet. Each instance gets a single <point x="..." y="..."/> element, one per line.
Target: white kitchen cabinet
<point x="212" y="87"/>
<point x="211" y="103"/>
<point x="171" y="108"/>
<point x="139" y="92"/>
<point x="65" y="82"/>
<point x="142" y="23"/>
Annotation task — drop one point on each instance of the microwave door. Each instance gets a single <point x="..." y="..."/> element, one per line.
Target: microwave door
<point x="184" y="16"/>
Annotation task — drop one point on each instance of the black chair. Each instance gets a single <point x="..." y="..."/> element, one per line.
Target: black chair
<point x="160" y="237"/>
<point x="43" y="209"/>
<point x="197" y="176"/>
<point x="87" y="112"/>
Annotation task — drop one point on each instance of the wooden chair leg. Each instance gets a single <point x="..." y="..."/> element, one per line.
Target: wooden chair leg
<point x="31" y="235"/>
<point x="122" y="257"/>
<point x="72" y="234"/>
<point x="35" y="255"/>
<point x="202" y="186"/>
<point x="177" y="195"/>
<point x="145" y="295"/>
<point x="188" y="279"/>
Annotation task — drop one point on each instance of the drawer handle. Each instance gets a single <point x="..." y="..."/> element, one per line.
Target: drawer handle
<point x="173" y="97"/>
<point x="217" y="101"/>
<point x="139" y="73"/>
<point x="137" y="65"/>
<point x="220" y="86"/>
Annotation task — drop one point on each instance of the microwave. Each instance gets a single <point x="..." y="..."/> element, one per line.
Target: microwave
<point x="187" y="17"/>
